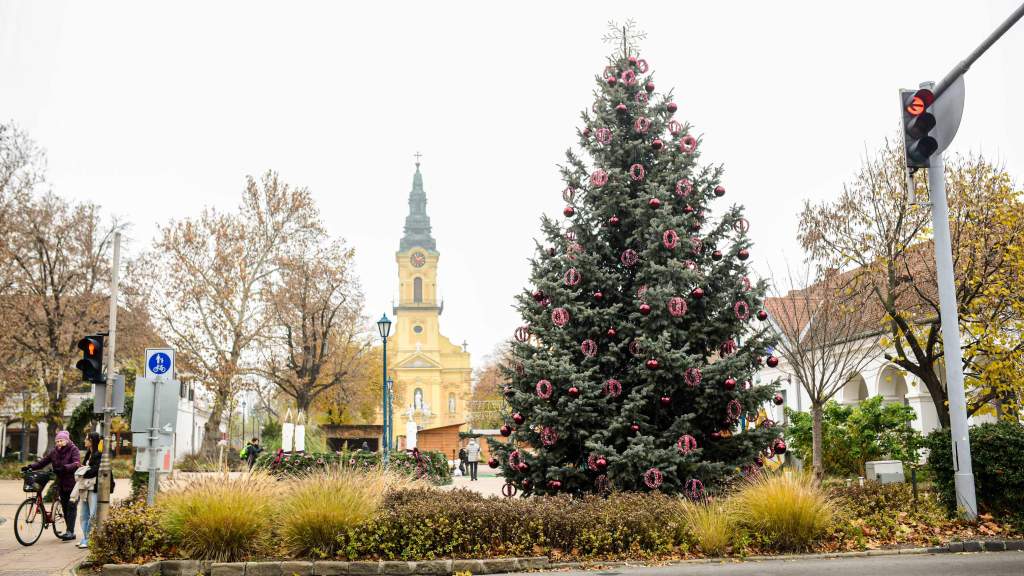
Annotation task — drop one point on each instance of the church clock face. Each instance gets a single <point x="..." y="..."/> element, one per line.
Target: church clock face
<point x="417" y="259"/>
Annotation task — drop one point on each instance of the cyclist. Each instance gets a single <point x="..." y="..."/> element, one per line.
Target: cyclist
<point x="64" y="459"/>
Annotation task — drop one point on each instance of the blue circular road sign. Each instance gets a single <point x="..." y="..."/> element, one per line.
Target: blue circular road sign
<point x="159" y="363"/>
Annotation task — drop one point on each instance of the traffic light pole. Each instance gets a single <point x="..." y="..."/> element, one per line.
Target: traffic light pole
<point x="961" y="68"/>
<point x="103" y="495"/>
<point x="963" y="475"/>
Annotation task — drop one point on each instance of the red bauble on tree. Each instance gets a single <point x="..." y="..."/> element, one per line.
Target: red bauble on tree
<point x="621" y="107"/>
<point x="779" y="446"/>
<point x="692" y="377"/>
<point x="613" y="388"/>
<point x="544" y="389"/>
<point x="653" y="364"/>
<point x="569" y="211"/>
<point x="672" y="107"/>
<point x="611" y="333"/>
<point x="716" y="255"/>
<point x="676" y="306"/>
<point x="729" y="384"/>
<point x="772" y="361"/>
<point x="719" y="191"/>
<point x="634" y="427"/>
<point x="657" y="144"/>
<point x="743" y="254"/>
<point x="645" y="309"/>
<point x="518" y="418"/>
<point x="505" y="430"/>
<point x="697" y="293"/>
<point x="555" y="484"/>
<point x="598" y="295"/>
<point x="778" y="399"/>
<point x="654" y="203"/>
<point x="649" y="86"/>
<point x="493" y="463"/>
<point x="665" y="401"/>
<point x="574" y="392"/>
<point x="538" y="295"/>
<point x="762" y="315"/>
<point x="613" y="221"/>
<point x="611" y="80"/>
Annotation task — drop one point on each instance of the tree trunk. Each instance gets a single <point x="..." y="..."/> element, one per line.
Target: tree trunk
<point x="54" y="415"/>
<point x="817" y="459"/>
<point x="211" y="430"/>
<point x="938" y="393"/>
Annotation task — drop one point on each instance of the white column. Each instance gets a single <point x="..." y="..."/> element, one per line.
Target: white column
<point x="42" y="444"/>
<point x="3" y="439"/>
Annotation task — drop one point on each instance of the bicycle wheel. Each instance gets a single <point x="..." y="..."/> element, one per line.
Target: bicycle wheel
<point x="60" y="524"/>
<point x="28" y="523"/>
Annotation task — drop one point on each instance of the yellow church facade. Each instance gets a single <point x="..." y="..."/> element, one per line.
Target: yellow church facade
<point x="432" y="376"/>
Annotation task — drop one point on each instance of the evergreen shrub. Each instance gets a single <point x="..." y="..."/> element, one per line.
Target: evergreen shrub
<point x="131" y="534"/>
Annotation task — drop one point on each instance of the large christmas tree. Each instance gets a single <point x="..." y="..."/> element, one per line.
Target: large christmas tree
<point x="633" y="368"/>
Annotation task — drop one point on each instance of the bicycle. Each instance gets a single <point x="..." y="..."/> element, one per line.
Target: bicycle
<point x="32" y="517"/>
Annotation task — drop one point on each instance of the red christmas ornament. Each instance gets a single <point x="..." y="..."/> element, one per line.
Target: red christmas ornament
<point x="695" y="226"/>
<point x="694" y="488"/>
<point x="762" y="315"/>
<point x="649" y="86"/>
<point x="652" y="364"/>
<point x="560" y="317"/>
<point x="741" y="225"/>
<point x="620" y="107"/>
<point x="628" y="77"/>
<point x="569" y="211"/>
<point x="599" y="178"/>
<point x="635" y="348"/>
<point x="674" y="127"/>
<point x="538" y="295"/>
<point x="604" y="136"/>
<point x="686" y="444"/>
<point x="743" y="254"/>
<point x="670" y="239"/>
<point x="589" y="348"/>
<point x="747" y="286"/>
<point x="692" y="377"/>
<point x="613" y="388"/>
<point x="653" y="478"/>
<point x="601" y="463"/>
<point x="569" y="194"/>
<point x="611" y="332"/>
<point x="572" y="277"/>
<point x="505" y="430"/>
<point x="515" y="458"/>
<point x="523" y="467"/>
<point x="716" y="435"/>
<point x="676" y="306"/>
<point x="730" y="383"/>
<point x="642" y="124"/>
<point x="509" y="392"/>
<point x="641" y="65"/>
<point x="518" y="418"/>
<point x="778" y="399"/>
<point x="611" y="80"/>
<point x="657" y="144"/>
<point x="548" y="436"/>
<point x="645" y="309"/>
<point x="727" y="348"/>
<point x="634" y="427"/>
<point x="665" y="401"/>
<point x="741" y="309"/>
<point x="629" y="257"/>
<point x="654" y="203"/>
<point x="493" y="462"/>
<point x="641" y="292"/>
<point x="586" y="132"/>
<point x="544" y="389"/>
<point x="613" y="221"/>
<point x="683" y="188"/>
<point x="733" y="410"/>
<point x="697" y="293"/>
<point x="779" y="446"/>
<point x="772" y="361"/>
<point x="687" y="209"/>
<point x="641" y="98"/>
<point x="672" y="107"/>
<point x="632" y="59"/>
<point x="555" y="484"/>
<point x="688" y="144"/>
<point x="522" y="334"/>
<point x="690" y="264"/>
<point x="574" y="392"/>
<point x="598" y="295"/>
<point x="636" y="172"/>
<point x="551" y="251"/>
<point x="696" y="244"/>
<point x="719" y="191"/>
<point x="716" y="255"/>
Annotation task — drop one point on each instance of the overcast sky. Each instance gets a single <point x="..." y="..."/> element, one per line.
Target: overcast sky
<point x="154" y="110"/>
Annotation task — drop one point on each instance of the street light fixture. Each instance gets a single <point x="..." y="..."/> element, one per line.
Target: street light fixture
<point x="384" y="327"/>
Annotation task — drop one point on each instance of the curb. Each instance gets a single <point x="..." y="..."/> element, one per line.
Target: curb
<point x="485" y="566"/>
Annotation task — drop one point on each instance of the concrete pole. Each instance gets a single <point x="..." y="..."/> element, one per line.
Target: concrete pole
<point x="103" y="492"/>
<point x="963" y="475"/>
<point x="154" y="444"/>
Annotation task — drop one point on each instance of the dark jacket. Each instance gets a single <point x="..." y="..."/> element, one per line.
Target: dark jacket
<point x="92" y="460"/>
<point x="252" y="451"/>
<point x="64" y="462"/>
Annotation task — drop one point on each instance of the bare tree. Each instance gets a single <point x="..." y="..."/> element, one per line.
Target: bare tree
<point x="207" y="294"/>
<point x="319" y="335"/>
<point x="823" y="337"/>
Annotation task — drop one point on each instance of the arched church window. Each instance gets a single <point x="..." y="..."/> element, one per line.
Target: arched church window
<point x="417" y="290"/>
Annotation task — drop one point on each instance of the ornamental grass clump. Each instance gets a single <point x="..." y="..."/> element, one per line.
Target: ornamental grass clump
<point x="318" y="507"/>
<point x="782" y="511"/>
<point x="707" y="525"/>
<point x="221" y="517"/>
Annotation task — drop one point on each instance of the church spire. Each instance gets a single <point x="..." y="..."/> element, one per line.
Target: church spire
<point x="417" y="223"/>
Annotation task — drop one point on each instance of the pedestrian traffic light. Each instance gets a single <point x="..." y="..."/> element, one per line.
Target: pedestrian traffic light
<point x="91" y="363"/>
<point x="918" y="121"/>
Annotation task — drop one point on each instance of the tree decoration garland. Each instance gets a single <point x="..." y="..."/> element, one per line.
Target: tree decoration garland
<point x="544" y="389"/>
<point x="692" y="376"/>
<point x="569" y="194"/>
<point x="733" y="410"/>
<point x="676" y="306"/>
<point x="629" y="257"/>
<point x="670" y="239"/>
<point x="653" y="478"/>
<point x="642" y="124"/>
<point x="741" y="309"/>
<point x="747" y="286"/>
<point x="522" y="334"/>
<point x="690" y="265"/>
<point x="696" y="244"/>
<point x="560" y="317"/>
<point x="612" y="388"/>
<point x="548" y="436"/>
<point x="741" y="225"/>
<point x="570" y="235"/>
<point x="628" y="77"/>
<point x="603" y="136"/>
<point x="641" y="292"/>
<point x="683" y="187"/>
<point x="637" y="172"/>
<point x="515" y="458"/>
<point x="635" y="348"/>
<point x="572" y="250"/>
<point x="641" y="98"/>
<point x="602" y="485"/>
<point x="688" y="144"/>
<point x="599" y="178"/>
<point x="508" y="490"/>
<point x="641" y="65"/>
<point x="589" y="348"/>
<point x="674" y="127"/>
<point x="694" y="488"/>
<point x="592" y="462"/>
<point x="727" y="348"/>
<point x="686" y="444"/>
<point x="572" y="277"/>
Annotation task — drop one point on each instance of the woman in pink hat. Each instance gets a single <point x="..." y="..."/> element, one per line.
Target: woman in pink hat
<point x="64" y="459"/>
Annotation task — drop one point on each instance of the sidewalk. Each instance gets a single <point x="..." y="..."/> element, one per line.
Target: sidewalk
<point x="49" y="556"/>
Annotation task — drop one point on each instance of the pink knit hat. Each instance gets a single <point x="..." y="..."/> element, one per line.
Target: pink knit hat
<point x="64" y="435"/>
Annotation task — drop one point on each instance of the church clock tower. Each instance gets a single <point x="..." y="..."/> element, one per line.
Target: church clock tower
<point x="432" y="375"/>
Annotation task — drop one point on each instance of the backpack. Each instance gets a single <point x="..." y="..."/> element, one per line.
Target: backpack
<point x="244" y="452"/>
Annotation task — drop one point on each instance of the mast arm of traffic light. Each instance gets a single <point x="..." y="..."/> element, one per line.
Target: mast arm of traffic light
<point x="965" y="64"/>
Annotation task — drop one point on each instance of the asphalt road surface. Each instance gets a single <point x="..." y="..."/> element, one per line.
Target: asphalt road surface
<point x="978" y="564"/>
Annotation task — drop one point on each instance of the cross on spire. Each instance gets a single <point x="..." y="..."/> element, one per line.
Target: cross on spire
<point x="418" y="156"/>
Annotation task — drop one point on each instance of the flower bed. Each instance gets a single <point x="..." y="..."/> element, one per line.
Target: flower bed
<point x="432" y="466"/>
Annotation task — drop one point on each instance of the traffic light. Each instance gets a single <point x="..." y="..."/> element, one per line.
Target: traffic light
<point x="918" y="121"/>
<point x="91" y="363"/>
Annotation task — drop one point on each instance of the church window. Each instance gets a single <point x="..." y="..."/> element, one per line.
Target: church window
<point x="417" y="329"/>
<point x="417" y="290"/>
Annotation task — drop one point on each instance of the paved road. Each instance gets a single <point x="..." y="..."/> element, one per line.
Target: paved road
<point x="980" y="564"/>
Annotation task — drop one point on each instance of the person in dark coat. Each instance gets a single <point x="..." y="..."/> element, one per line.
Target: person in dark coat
<point x="252" y="451"/>
<point x="91" y="460"/>
<point x="463" y="460"/>
<point x="64" y="459"/>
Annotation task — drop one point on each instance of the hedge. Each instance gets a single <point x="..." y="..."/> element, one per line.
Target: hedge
<point x="437" y="471"/>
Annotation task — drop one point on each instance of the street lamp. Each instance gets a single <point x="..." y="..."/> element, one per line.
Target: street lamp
<point x="384" y="327"/>
<point x="391" y="414"/>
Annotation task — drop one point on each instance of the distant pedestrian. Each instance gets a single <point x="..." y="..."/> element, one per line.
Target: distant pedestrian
<point x="463" y="457"/>
<point x="251" y="451"/>
<point x="88" y="484"/>
<point x="64" y="459"/>
<point x="473" y="456"/>
<point x="365" y="447"/>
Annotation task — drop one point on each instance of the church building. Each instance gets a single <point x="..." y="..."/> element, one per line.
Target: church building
<point x="432" y="375"/>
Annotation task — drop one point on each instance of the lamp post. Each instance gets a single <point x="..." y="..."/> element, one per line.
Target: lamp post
<point x="391" y="414"/>
<point x="384" y="327"/>
<point x="243" y="424"/>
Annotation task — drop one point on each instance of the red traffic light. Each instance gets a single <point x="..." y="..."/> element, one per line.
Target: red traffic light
<point x="920" y="102"/>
